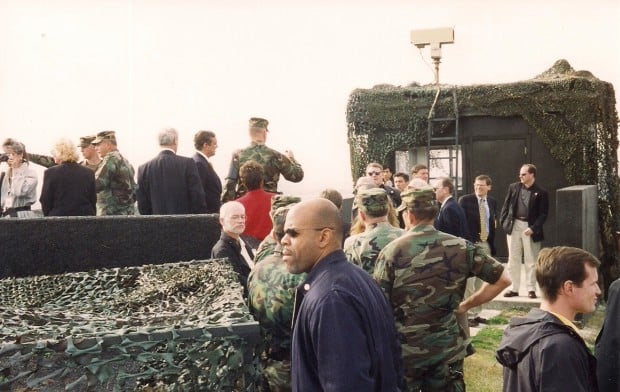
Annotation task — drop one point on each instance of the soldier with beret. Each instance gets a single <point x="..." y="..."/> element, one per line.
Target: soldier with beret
<point x="114" y="180"/>
<point x="271" y="297"/>
<point x="372" y="209"/>
<point x="274" y="163"/>
<point x="424" y="273"/>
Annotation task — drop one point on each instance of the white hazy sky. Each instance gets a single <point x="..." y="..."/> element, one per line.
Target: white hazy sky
<point x="69" y="68"/>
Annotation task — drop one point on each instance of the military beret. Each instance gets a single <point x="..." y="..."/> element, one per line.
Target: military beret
<point x="86" y="141"/>
<point x="257" y="122"/>
<point x="104" y="135"/>
<point x="417" y="198"/>
<point x="373" y="201"/>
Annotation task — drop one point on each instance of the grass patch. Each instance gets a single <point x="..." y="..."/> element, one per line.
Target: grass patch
<point x="482" y="371"/>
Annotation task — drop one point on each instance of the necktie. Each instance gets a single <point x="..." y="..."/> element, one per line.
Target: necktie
<point x="484" y="226"/>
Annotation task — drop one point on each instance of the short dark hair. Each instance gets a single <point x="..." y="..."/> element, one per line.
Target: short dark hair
<point x="530" y="168"/>
<point x="251" y="174"/>
<point x="559" y="264"/>
<point x="447" y="183"/>
<point x="202" y="137"/>
<point x="404" y="176"/>
<point x="424" y="213"/>
<point x="483" y="177"/>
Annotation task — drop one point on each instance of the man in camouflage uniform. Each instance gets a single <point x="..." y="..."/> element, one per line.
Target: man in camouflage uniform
<point x="274" y="163"/>
<point x="424" y="273"/>
<point x="91" y="159"/>
<point x="271" y="297"/>
<point x="363" y="249"/>
<point x="268" y="245"/>
<point x="114" y="180"/>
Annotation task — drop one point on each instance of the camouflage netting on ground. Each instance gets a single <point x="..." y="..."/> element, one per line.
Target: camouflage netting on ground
<point x="572" y="112"/>
<point x="181" y="326"/>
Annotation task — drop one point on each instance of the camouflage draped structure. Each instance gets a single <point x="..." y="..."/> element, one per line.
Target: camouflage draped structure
<point x="180" y="326"/>
<point x="572" y="112"/>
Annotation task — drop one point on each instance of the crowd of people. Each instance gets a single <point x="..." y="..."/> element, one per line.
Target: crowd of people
<point x="383" y="302"/>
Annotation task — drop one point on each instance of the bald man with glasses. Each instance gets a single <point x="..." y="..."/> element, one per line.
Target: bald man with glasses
<point x="344" y="337"/>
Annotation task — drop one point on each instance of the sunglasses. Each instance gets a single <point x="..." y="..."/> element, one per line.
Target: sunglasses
<point x="374" y="173"/>
<point x="295" y="232"/>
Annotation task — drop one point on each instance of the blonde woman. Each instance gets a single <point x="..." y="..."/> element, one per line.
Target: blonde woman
<point x="68" y="188"/>
<point x="19" y="181"/>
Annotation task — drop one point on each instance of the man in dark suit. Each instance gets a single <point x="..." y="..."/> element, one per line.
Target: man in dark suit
<point x="205" y="143"/>
<point x="523" y="214"/>
<point x="480" y="213"/>
<point x="451" y="218"/>
<point x="169" y="184"/>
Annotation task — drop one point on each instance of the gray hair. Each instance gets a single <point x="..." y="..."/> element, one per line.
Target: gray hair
<point x="168" y="137"/>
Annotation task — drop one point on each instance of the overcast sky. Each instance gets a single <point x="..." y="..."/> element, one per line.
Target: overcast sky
<point x="69" y="68"/>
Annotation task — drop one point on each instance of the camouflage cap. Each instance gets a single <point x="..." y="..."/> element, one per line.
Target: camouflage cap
<point x="373" y="201"/>
<point x="417" y="198"/>
<point x="86" y="141"/>
<point x="257" y="122"/>
<point x="279" y="216"/>
<point x="282" y="201"/>
<point x="104" y="135"/>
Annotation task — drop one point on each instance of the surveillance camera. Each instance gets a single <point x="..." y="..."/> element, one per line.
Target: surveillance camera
<point x="439" y="36"/>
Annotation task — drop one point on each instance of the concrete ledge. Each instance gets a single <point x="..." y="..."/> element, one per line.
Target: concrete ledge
<point x="54" y="245"/>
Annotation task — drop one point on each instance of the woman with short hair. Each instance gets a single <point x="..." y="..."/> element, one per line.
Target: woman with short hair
<point x="19" y="183"/>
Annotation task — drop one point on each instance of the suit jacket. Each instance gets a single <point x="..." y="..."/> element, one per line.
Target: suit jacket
<point x="470" y="206"/>
<point x="211" y="183"/>
<point x="169" y="184"/>
<point x="230" y="248"/>
<point x="451" y="219"/>
<point x="68" y="190"/>
<point x="538" y="209"/>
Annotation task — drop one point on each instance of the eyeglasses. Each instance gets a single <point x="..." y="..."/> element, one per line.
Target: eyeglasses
<point x="374" y="173"/>
<point x="295" y="232"/>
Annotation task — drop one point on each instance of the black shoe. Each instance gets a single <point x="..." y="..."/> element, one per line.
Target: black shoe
<point x="531" y="294"/>
<point x="480" y="320"/>
<point x="511" y="294"/>
<point x="472" y="322"/>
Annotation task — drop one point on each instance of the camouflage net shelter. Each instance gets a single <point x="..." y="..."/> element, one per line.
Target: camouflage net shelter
<point x="572" y="112"/>
<point x="178" y="326"/>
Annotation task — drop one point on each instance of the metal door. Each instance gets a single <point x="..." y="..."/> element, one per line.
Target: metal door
<point x="501" y="160"/>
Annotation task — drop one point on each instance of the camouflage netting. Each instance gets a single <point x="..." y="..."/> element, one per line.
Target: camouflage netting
<point x="572" y="112"/>
<point x="181" y="326"/>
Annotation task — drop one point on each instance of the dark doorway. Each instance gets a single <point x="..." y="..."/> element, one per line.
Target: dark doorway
<point x="500" y="160"/>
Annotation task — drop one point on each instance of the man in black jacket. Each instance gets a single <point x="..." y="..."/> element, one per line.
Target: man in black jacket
<point x="205" y="143"/>
<point x="231" y="245"/>
<point x="169" y="184"/>
<point x="543" y="351"/>
<point x="524" y="212"/>
<point x="607" y="348"/>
